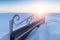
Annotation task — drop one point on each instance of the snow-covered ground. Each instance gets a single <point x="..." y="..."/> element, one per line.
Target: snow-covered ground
<point x="53" y="26"/>
<point x="4" y="22"/>
<point x="50" y="30"/>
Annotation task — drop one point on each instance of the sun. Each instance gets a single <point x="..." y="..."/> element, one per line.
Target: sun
<point x="39" y="11"/>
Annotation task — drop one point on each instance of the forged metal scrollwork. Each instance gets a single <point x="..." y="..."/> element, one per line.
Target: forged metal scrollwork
<point x="13" y="21"/>
<point x="28" y="21"/>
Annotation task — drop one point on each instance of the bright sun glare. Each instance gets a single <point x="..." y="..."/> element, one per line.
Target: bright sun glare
<point x="39" y="11"/>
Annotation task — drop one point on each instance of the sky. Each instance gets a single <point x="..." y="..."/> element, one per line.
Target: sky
<point x="33" y="6"/>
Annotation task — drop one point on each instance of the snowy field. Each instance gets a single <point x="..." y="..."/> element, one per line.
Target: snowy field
<point x="50" y="30"/>
<point x="4" y="22"/>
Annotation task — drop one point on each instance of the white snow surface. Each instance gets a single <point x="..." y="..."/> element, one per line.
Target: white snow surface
<point x="50" y="30"/>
